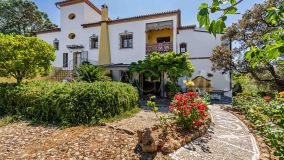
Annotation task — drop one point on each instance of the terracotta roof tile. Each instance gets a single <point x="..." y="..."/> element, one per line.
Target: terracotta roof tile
<point x="136" y="18"/>
<point x="71" y="2"/>
<point x="48" y="31"/>
<point x="187" y="27"/>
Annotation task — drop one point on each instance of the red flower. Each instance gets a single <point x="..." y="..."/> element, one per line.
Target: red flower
<point x="198" y="123"/>
<point x="184" y="105"/>
<point x="192" y="95"/>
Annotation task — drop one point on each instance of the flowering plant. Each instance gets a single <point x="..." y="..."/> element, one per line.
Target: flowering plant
<point x="189" y="83"/>
<point x="189" y="110"/>
<point x="267" y="98"/>
<point x="281" y="94"/>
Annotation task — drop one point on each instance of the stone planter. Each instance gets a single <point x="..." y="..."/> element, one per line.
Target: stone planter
<point x="170" y="138"/>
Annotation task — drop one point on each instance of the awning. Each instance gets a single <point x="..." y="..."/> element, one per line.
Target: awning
<point x="159" y="25"/>
<point x="74" y="46"/>
<point x="117" y="67"/>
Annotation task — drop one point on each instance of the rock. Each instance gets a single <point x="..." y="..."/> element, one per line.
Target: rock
<point x="127" y="131"/>
<point x="147" y="142"/>
<point x="170" y="146"/>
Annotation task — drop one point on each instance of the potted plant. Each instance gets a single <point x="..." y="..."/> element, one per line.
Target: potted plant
<point x="171" y="89"/>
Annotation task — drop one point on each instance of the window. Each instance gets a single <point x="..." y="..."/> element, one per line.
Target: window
<point x="94" y="42"/>
<point x="126" y="41"/>
<point x="71" y="16"/>
<point x="84" y="57"/>
<point x="163" y="39"/>
<point x="183" y="47"/>
<point x="56" y="44"/>
<point x="65" y="59"/>
<point x="71" y="35"/>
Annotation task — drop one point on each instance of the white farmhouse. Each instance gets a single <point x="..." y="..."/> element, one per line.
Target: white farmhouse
<point x="86" y="33"/>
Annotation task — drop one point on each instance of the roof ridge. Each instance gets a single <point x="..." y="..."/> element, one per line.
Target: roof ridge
<point x="134" y="17"/>
<point x="151" y="14"/>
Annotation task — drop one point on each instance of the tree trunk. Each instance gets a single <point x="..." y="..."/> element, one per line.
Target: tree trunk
<point x="19" y="80"/>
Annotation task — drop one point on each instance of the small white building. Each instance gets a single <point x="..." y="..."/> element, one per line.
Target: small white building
<point x="86" y="33"/>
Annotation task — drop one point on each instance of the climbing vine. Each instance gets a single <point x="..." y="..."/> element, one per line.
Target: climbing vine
<point x="174" y="65"/>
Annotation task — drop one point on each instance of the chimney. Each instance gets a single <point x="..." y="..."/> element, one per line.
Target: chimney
<point x="104" y="52"/>
<point x="104" y="12"/>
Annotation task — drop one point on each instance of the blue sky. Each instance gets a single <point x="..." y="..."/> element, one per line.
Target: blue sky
<point x="128" y="8"/>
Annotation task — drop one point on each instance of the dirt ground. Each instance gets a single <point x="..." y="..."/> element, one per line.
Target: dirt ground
<point x="24" y="141"/>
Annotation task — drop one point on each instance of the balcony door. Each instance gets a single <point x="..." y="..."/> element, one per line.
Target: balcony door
<point x="163" y="39"/>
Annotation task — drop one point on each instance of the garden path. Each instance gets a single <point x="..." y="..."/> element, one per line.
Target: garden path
<point x="227" y="139"/>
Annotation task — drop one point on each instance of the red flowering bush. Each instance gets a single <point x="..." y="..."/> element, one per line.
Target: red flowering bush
<point x="189" y="110"/>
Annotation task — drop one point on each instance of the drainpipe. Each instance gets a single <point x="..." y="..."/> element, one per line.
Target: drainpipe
<point x="104" y="53"/>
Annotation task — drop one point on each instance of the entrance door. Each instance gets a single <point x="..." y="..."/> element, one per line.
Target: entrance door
<point x="151" y="85"/>
<point x="76" y="58"/>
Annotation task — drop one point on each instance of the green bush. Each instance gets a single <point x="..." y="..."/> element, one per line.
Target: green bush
<point x="91" y="73"/>
<point x="68" y="103"/>
<point x="172" y="88"/>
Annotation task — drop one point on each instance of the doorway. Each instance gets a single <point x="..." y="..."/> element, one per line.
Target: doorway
<point x="151" y="85"/>
<point x="163" y="39"/>
<point x="76" y="59"/>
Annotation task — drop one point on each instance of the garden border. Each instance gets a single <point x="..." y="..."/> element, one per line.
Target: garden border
<point x="265" y="151"/>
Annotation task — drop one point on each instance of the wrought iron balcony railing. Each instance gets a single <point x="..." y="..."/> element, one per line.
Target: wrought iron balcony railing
<point x="159" y="47"/>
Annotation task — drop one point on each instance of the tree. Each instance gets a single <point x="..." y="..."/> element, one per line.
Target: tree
<point x="248" y="32"/>
<point x="273" y="46"/>
<point x="24" y="57"/>
<point x="22" y="17"/>
<point x="174" y="65"/>
<point x="225" y="7"/>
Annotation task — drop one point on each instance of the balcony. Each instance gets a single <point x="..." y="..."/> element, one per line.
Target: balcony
<point x="159" y="47"/>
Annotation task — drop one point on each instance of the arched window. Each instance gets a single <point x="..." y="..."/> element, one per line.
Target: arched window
<point x="183" y="47"/>
<point x="56" y="44"/>
<point x="94" y="41"/>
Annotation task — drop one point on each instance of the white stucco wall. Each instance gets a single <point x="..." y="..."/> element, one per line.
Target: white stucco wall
<point x="49" y="38"/>
<point x="138" y="28"/>
<point x="84" y="14"/>
<point x="90" y="16"/>
<point x="199" y="46"/>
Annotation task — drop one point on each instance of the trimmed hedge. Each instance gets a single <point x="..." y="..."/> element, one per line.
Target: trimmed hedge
<point x="67" y="103"/>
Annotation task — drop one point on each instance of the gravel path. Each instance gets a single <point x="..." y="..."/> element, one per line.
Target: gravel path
<point x="227" y="139"/>
<point x="24" y="141"/>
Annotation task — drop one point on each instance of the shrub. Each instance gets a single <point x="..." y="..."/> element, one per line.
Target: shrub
<point x="90" y="73"/>
<point x="189" y="110"/>
<point x="24" y="57"/>
<point x="172" y="88"/>
<point x="68" y="103"/>
<point x="267" y="116"/>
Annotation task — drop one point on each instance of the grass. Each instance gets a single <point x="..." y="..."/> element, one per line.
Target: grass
<point x="7" y="120"/>
<point x="13" y="80"/>
<point x="7" y="80"/>
<point x="124" y="115"/>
